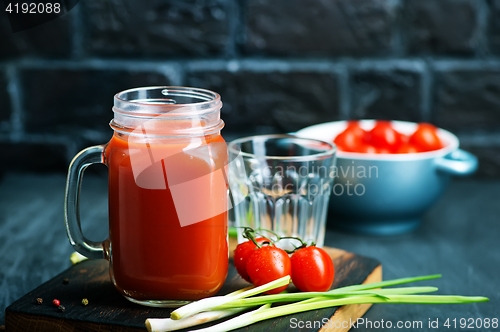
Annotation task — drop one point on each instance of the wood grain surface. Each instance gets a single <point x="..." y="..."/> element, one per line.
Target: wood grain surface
<point x="109" y="311"/>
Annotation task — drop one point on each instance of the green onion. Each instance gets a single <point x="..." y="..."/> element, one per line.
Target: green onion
<point x="290" y="297"/>
<point x="223" y="306"/>
<point x="254" y="317"/>
<point x="76" y="258"/>
<point x="167" y="324"/>
<point x="386" y="283"/>
<point x="216" y="301"/>
<point x="235" y="322"/>
<point x="298" y="296"/>
<point x="232" y="232"/>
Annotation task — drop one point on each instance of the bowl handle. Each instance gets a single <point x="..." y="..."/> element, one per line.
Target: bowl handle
<point x="459" y="162"/>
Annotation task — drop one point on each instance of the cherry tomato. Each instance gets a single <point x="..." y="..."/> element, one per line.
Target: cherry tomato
<point x="404" y="138"/>
<point x="384" y="136"/>
<point x="241" y="254"/>
<point x="383" y="139"/>
<point x="356" y="129"/>
<point x="407" y="148"/>
<point x="312" y="269"/>
<point x="383" y="150"/>
<point x="267" y="264"/>
<point x="425" y="138"/>
<point x="349" y="139"/>
<point x="366" y="148"/>
<point x="353" y="123"/>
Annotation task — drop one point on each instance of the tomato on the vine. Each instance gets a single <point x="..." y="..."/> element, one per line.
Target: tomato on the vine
<point x="312" y="269"/>
<point x="243" y="252"/>
<point x="267" y="264"/>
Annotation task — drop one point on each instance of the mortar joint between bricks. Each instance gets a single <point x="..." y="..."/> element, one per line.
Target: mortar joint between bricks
<point x="398" y="44"/>
<point x="264" y="66"/>
<point x="481" y="33"/>
<point x="235" y="22"/>
<point x="77" y="27"/>
<point x="427" y="86"/>
<point x="16" y="94"/>
<point x="344" y="93"/>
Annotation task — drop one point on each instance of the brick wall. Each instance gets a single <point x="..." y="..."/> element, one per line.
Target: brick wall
<point x="279" y="65"/>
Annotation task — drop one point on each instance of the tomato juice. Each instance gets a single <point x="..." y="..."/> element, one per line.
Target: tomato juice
<point x="154" y="257"/>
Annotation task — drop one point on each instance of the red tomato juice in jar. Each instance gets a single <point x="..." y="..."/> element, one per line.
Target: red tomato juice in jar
<point x="167" y="192"/>
<point x="153" y="257"/>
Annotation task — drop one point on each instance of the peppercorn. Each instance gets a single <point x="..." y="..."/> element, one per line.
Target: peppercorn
<point x="61" y="308"/>
<point x="85" y="301"/>
<point x="39" y="300"/>
<point x="65" y="281"/>
<point x="56" y="302"/>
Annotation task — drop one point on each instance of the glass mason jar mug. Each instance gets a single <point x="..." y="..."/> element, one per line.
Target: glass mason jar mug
<point x="167" y="196"/>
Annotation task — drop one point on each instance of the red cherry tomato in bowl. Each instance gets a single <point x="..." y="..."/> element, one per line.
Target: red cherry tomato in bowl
<point x="267" y="264"/>
<point x="349" y="139"/>
<point x="384" y="136"/>
<point x="425" y="138"/>
<point x="384" y="139"/>
<point x="312" y="269"/>
<point x="242" y="253"/>
<point x="365" y="148"/>
<point x="356" y="129"/>
<point x="407" y="148"/>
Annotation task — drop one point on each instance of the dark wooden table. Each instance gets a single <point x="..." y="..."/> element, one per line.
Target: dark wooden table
<point x="459" y="237"/>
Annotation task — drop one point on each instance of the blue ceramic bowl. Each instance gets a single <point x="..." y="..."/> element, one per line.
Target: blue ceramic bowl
<point x="388" y="194"/>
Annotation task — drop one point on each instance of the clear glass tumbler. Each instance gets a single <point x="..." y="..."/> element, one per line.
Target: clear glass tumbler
<point x="282" y="183"/>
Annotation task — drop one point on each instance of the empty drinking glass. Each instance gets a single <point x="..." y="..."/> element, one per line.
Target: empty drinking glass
<point x="282" y="183"/>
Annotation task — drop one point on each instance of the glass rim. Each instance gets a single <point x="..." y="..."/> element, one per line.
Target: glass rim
<point x="208" y="99"/>
<point x="315" y="156"/>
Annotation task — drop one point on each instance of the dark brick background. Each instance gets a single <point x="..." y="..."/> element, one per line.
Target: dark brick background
<point x="4" y="103"/>
<point x="494" y="25"/>
<point x="285" y="101"/>
<point x="322" y="27"/>
<point x="157" y="27"/>
<point x="79" y="101"/>
<point x="387" y="93"/>
<point x="279" y="65"/>
<point x="52" y="39"/>
<point x="468" y="99"/>
<point x="441" y="26"/>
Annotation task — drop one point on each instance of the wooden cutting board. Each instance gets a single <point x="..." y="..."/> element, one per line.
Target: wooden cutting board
<point x="109" y="311"/>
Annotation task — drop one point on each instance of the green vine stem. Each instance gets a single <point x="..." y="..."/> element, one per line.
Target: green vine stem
<point x="250" y="234"/>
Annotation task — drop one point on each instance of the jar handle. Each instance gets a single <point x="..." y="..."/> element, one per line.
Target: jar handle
<point x="88" y="248"/>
